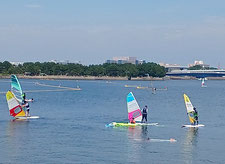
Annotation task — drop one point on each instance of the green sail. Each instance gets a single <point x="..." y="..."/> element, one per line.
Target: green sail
<point x="16" y="88"/>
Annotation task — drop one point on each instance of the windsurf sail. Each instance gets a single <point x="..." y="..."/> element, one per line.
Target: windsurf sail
<point x="15" y="108"/>
<point x="203" y="82"/>
<point x="16" y="88"/>
<point x="133" y="108"/>
<point x="189" y="108"/>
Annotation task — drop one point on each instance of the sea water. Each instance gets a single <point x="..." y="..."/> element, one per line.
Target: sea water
<point x="71" y="128"/>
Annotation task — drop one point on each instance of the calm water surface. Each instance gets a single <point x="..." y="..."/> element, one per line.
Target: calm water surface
<point x="71" y="128"/>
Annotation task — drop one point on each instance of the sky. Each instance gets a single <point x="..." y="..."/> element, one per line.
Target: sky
<point x="92" y="31"/>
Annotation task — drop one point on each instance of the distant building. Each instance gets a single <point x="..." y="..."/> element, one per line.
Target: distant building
<point x="173" y="67"/>
<point x="124" y="60"/>
<point x="16" y="63"/>
<point x="200" y="63"/>
<point x="60" y="62"/>
<point x="63" y="62"/>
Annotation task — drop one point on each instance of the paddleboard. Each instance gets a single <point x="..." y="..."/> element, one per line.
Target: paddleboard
<point x="117" y="124"/>
<point x="193" y="126"/>
<point x="162" y="140"/>
<point x="27" y="117"/>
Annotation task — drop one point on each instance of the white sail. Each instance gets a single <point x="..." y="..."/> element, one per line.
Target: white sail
<point x="203" y="82"/>
<point x="133" y="108"/>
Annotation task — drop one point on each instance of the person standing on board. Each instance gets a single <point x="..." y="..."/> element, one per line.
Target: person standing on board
<point x="195" y="116"/>
<point x="26" y="104"/>
<point x="144" y="114"/>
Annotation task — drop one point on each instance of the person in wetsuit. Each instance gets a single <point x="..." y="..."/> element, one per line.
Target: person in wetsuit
<point x="144" y="114"/>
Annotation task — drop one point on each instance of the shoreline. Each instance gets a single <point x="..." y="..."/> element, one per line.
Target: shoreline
<point x="59" y="77"/>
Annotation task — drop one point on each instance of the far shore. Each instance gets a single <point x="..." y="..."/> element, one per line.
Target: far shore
<point x="62" y="77"/>
<point x="59" y="77"/>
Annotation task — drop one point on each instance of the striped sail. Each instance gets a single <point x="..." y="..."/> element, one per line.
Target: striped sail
<point x="133" y="108"/>
<point x="16" y="88"/>
<point x="189" y="108"/>
<point x="15" y="108"/>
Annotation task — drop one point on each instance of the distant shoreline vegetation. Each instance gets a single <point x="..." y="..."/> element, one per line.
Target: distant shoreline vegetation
<point x="71" y="69"/>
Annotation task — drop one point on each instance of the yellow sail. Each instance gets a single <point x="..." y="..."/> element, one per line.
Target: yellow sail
<point x="15" y="108"/>
<point x="189" y="108"/>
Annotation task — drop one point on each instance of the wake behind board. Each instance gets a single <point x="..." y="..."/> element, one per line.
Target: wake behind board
<point x="125" y="124"/>
<point x="27" y="117"/>
<point x="193" y="126"/>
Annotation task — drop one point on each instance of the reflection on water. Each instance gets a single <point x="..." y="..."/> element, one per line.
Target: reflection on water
<point x="144" y="132"/>
<point x="17" y="133"/>
<point x="138" y="133"/>
<point x="190" y="143"/>
<point x="137" y="137"/>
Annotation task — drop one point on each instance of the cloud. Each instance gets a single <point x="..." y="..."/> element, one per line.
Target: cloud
<point x="32" y="6"/>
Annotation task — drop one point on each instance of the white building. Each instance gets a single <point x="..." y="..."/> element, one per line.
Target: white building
<point x="16" y="63"/>
<point x="125" y="59"/>
<point x="200" y="63"/>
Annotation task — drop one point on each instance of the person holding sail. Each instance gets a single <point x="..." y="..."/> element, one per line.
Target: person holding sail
<point x="195" y="113"/>
<point x="25" y="103"/>
<point x="144" y="113"/>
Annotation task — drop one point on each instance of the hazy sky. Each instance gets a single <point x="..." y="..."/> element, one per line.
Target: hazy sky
<point x="91" y="31"/>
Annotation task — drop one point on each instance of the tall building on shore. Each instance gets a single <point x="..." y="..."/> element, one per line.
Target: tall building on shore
<point x="124" y="60"/>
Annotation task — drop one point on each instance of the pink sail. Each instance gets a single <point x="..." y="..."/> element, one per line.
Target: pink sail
<point x="133" y="108"/>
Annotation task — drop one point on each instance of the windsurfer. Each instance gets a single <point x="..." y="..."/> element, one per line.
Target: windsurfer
<point x="144" y="113"/>
<point x="195" y="116"/>
<point x="26" y="104"/>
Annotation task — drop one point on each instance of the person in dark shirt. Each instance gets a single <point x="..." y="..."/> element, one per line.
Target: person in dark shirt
<point x="144" y="114"/>
<point x="25" y="103"/>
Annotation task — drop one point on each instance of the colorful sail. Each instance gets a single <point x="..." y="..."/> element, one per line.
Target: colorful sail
<point x="189" y="108"/>
<point x="133" y="108"/>
<point x="15" y="108"/>
<point x="16" y="88"/>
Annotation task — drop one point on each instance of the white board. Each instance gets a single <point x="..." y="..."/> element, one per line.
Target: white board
<point x="193" y="126"/>
<point x="27" y="117"/>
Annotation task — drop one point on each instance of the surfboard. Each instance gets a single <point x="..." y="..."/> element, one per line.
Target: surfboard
<point x="27" y="117"/>
<point x="162" y="140"/>
<point x="126" y="124"/>
<point x="193" y="126"/>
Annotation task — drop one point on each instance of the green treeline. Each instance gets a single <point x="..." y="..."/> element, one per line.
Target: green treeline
<point x="71" y="69"/>
<point x="199" y="67"/>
